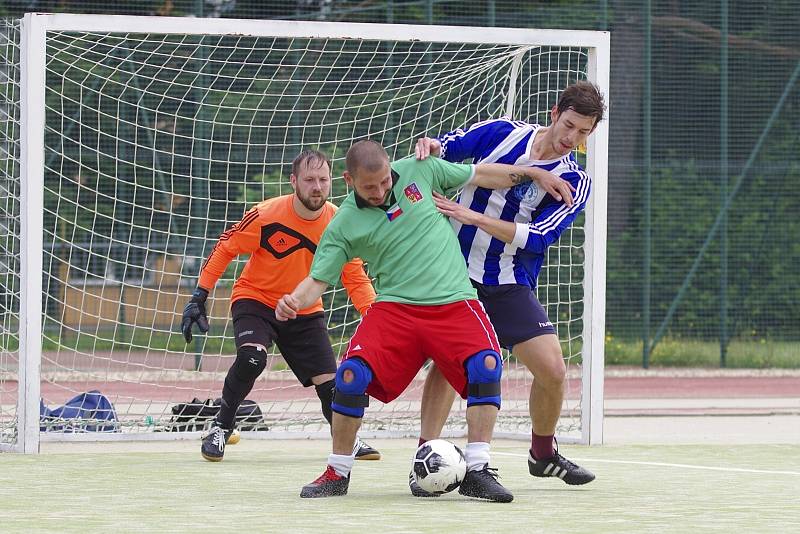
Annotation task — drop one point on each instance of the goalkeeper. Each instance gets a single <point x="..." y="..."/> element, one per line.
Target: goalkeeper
<point x="504" y="235"/>
<point x="281" y="236"/>
<point x="425" y="307"/>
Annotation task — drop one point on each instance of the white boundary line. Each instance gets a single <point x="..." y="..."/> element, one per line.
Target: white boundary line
<point x="662" y="464"/>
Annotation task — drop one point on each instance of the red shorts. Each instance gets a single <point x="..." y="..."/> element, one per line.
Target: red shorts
<point x="396" y="339"/>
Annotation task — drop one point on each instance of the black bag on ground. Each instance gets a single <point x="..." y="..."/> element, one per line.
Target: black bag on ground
<point x="198" y="414"/>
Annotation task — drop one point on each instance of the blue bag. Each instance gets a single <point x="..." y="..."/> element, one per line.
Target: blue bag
<point x="87" y="412"/>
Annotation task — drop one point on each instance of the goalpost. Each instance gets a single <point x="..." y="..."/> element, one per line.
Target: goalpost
<point x="131" y="143"/>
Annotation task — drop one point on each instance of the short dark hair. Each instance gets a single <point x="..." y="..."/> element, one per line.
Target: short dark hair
<point x="365" y="154"/>
<point x="310" y="156"/>
<point x="584" y="98"/>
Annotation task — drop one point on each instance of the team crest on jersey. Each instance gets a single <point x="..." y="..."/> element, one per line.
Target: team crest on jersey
<point x="412" y="192"/>
<point x="525" y="192"/>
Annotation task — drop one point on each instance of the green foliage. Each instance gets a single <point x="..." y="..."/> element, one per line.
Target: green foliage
<point x="689" y="352"/>
<point x="761" y="263"/>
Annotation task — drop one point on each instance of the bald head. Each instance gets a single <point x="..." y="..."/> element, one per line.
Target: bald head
<point x="368" y="172"/>
<point x="367" y="156"/>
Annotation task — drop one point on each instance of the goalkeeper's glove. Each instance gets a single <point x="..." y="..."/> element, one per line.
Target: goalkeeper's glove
<point x="195" y="312"/>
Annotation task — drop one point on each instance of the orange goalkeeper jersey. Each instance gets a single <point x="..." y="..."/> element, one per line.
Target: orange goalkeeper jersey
<point x="281" y="245"/>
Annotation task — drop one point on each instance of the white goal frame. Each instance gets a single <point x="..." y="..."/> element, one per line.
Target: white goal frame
<point x="33" y="57"/>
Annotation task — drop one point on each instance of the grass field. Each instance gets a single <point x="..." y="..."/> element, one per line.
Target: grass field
<point x="167" y="487"/>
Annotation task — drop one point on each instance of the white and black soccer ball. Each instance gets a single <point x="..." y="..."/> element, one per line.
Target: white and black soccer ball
<point x="439" y="466"/>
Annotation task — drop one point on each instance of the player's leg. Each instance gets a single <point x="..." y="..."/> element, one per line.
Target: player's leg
<point x="522" y="324"/>
<point x="253" y="336"/>
<point x="350" y="398"/>
<point x="381" y="361"/>
<point x="437" y="400"/>
<point x="468" y="355"/>
<point x="543" y="357"/>
<point x="306" y="348"/>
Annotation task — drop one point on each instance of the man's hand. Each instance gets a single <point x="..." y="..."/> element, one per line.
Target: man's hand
<point x="286" y="308"/>
<point x="557" y="187"/>
<point x="456" y="211"/>
<point x="195" y="312"/>
<point x="427" y="146"/>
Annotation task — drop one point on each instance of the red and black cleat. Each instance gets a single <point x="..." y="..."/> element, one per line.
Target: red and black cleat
<point x="329" y="484"/>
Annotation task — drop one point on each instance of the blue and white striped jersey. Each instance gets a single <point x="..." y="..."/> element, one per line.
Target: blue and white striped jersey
<point x="540" y="218"/>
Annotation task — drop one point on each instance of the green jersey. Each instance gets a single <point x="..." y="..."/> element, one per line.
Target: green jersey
<point x="409" y="247"/>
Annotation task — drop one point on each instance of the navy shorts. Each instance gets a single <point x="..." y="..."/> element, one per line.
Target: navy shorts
<point x="303" y="342"/>
<point x="515" y="312"/>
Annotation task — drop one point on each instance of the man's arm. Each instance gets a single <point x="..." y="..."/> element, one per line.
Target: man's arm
<point x="535" y="236"/>
<point x="304" y="295"/>
<point x="358" y="285"/>
<point x="244" y="237"/>
<point x="501" y="176"/>
<point x="502" y="230"/>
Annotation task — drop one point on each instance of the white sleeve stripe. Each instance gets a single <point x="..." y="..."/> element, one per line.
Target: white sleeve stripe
<point x="555" y="218"/>
<point x="552" y="222"/>
<point x="521" y="234"/>
<point x="579" y="197"/>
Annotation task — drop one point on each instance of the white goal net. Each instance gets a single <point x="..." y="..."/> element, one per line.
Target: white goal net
<point x="151" y="136"/>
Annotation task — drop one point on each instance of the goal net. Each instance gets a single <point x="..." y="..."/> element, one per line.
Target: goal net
<point x="132" y="143"/>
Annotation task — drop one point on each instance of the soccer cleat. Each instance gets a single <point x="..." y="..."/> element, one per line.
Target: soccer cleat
<point x="416" y="491"/>
<point x="483" y="484"/>
<point x="362" y="451"/>
<point x="233" y="438"/>
<point x="213" y="446"/>
<point x="329" y="484"/>
<point x="560" y="467"/>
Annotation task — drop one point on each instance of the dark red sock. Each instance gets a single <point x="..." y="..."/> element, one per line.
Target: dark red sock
<point x="542" y="447"/>
<point x="421" y="441"/>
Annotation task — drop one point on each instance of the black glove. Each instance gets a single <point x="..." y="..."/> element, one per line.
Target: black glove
<point x="195" y="312"/>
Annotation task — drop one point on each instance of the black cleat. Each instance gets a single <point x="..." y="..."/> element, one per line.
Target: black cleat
<point x="213" y="446"/>
<point x="560" y="467"/>
<point x="362" y="451"/>
<point x="483" y="484"/>
<point x="329" y="484"/>
<point x="416" y="491"/>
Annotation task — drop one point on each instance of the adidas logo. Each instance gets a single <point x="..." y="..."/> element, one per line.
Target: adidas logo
<point x="357" y="347"/>
<point x="281" y="242"/>
<point x="555" y="471"/>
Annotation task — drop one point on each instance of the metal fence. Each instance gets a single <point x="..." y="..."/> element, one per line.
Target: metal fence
<point x="704" y="234"/>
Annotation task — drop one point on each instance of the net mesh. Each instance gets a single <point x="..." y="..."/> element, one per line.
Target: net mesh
<point x="156" y="143"/>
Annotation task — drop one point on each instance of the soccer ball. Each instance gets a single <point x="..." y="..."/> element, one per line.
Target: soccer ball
<point x="439" y="466"/>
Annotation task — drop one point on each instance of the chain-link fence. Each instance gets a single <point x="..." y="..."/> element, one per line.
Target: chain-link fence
<point x="704" y="239"/>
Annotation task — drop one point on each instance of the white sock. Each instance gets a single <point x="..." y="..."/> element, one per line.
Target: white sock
<point x="477" y="455"/>
<point x="341" y="463"/>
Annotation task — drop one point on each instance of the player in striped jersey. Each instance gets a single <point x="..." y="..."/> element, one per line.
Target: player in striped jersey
<point x="281" y="235"/>
<point x="504" y="235"/>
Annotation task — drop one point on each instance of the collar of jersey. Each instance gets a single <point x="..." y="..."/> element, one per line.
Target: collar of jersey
<point x="361" y="203"/>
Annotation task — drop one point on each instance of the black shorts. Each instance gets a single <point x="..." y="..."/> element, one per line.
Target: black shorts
<point x="303" y="342"/>
<point x="515" y="312"/>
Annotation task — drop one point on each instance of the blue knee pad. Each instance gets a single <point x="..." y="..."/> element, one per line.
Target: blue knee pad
<point x="350" y="398"/>
<point x="483" y="383"/>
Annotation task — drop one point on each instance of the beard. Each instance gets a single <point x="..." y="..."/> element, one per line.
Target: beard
<point x="312" y="203"/>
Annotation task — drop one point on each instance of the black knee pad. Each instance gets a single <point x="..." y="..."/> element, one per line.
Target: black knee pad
<point x="325" y="394"/>
<point x="250" y="363"/>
